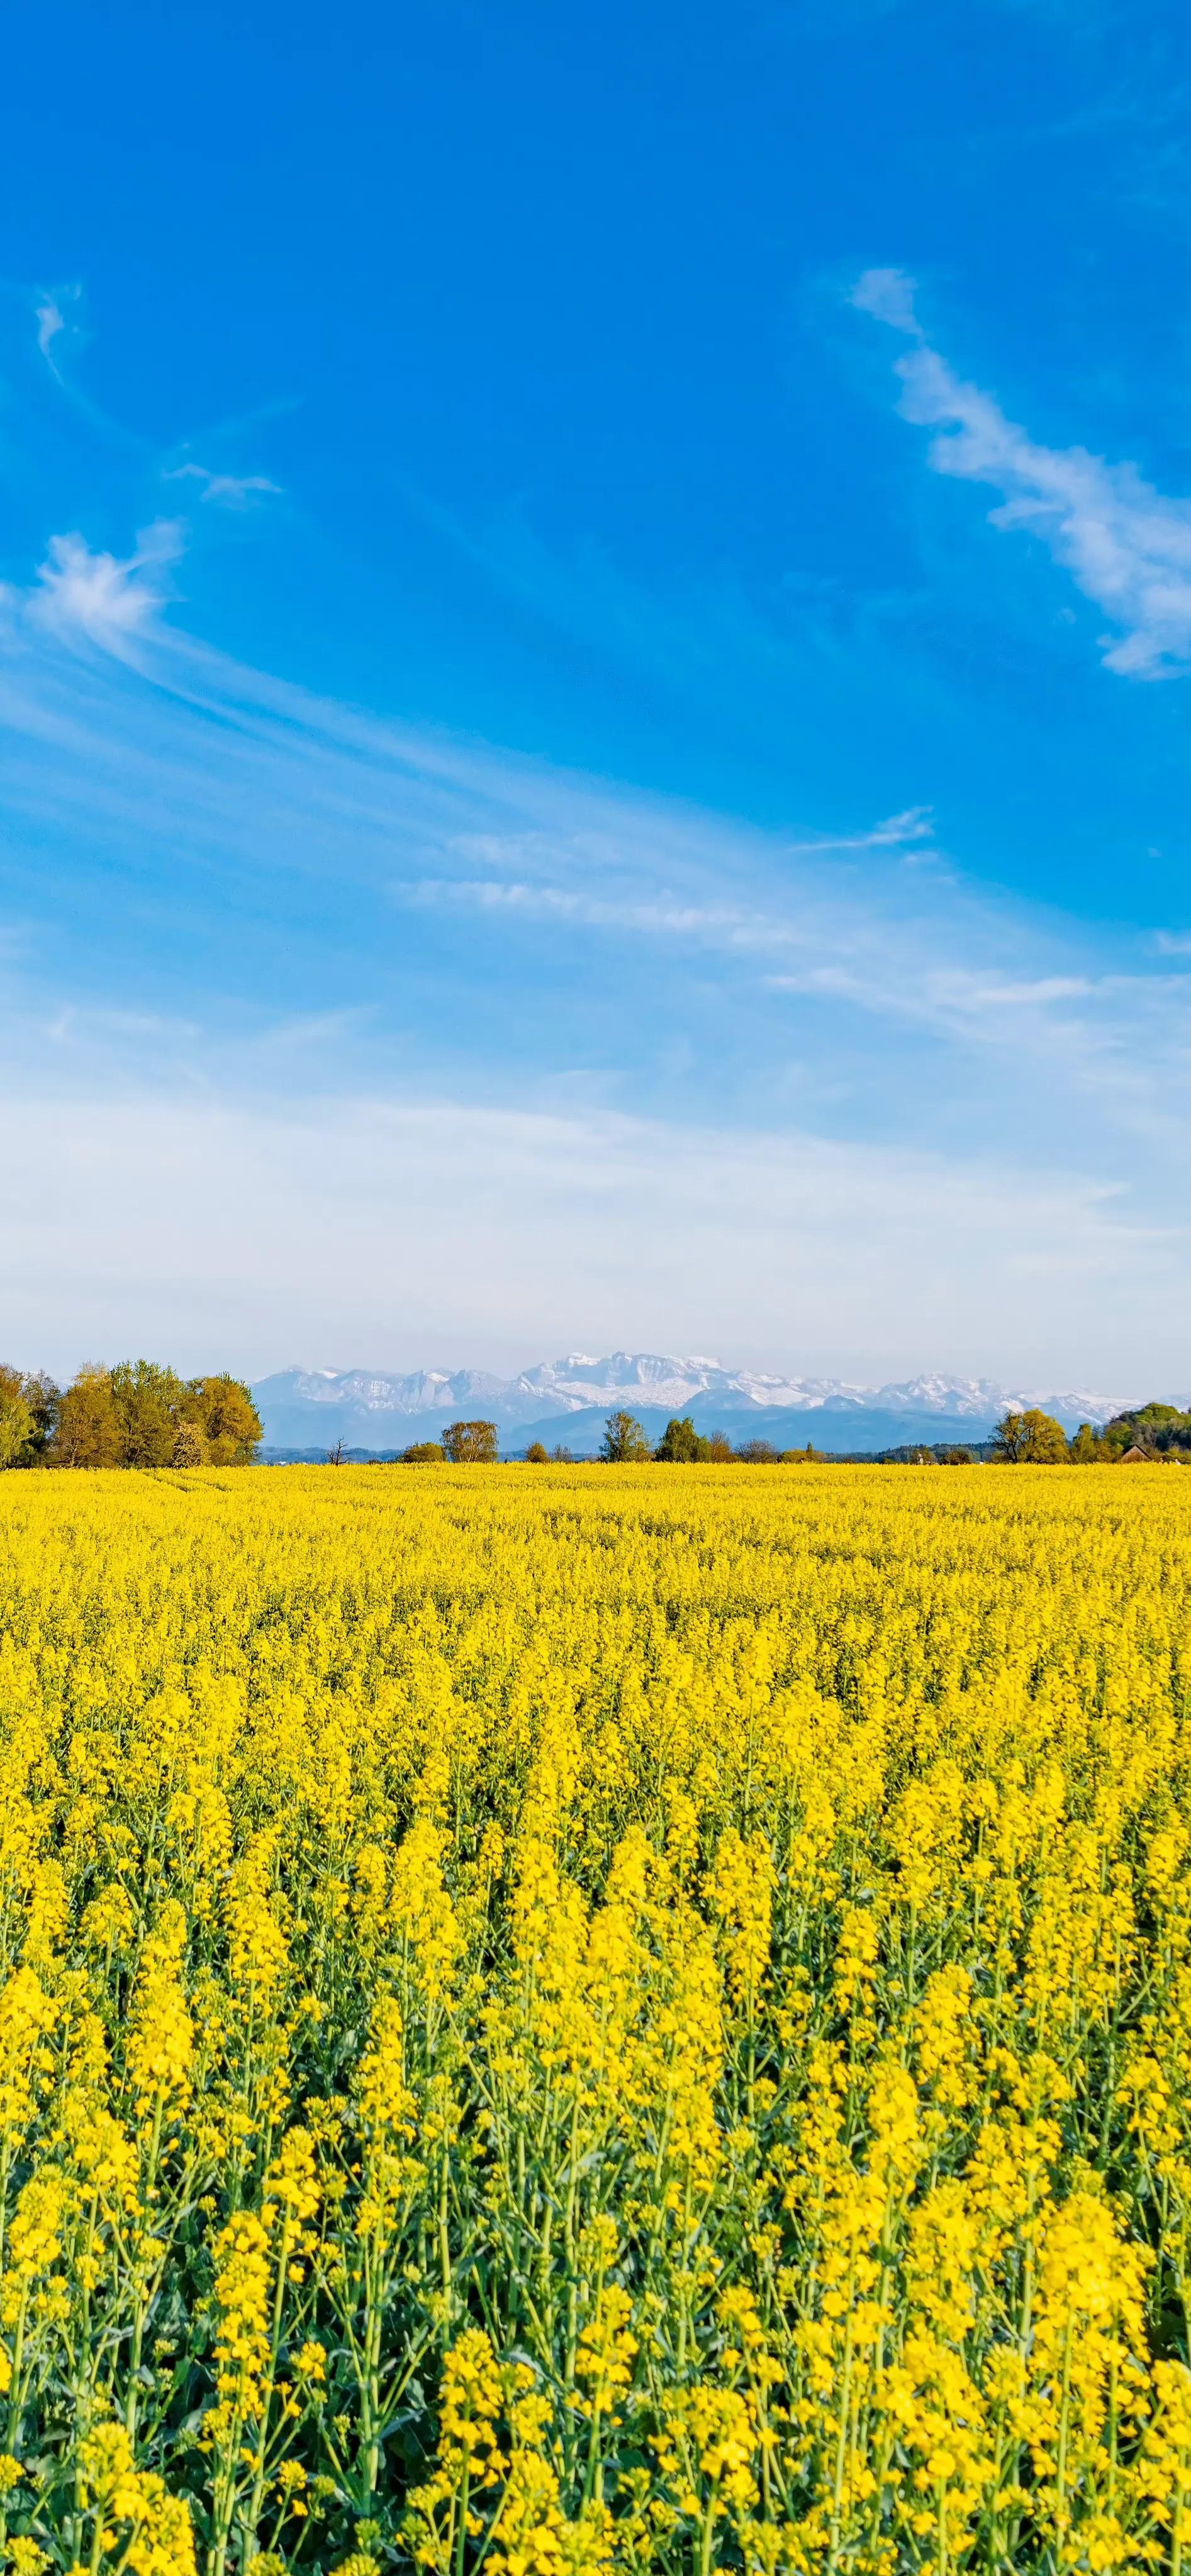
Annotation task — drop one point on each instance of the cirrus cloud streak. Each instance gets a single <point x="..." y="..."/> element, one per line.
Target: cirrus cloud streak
<point x="1127" y="546"/>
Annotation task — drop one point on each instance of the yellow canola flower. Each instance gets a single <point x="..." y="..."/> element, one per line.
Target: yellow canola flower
<point x="26" y="2014"/>
<point x="604" y="2361"/>
<point x="591" y="2019"/>
<point x="161" y="2040"/>
<point x="138" y="2523"/>
<point x="242" y="2293"/>
<point x="35" y="2235"/>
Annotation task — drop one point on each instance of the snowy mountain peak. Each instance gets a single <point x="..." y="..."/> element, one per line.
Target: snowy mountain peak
<point x="372" y="1408"/>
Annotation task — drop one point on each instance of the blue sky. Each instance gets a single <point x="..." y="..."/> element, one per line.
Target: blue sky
<point x="594" y="669"/>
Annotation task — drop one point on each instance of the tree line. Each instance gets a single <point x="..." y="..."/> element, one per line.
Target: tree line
<point x="136" y="1414"/>
<point x="1146" y="1431"/>
<point x="625" y="1444"/>
<point x="1030" y="1439"/>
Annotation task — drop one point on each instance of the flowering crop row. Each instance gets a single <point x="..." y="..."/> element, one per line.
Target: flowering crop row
<point x="569" y="2022"/>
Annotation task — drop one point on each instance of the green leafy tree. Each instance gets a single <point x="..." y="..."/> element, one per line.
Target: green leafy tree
<point x="624" y="1443"/>
<point x="17" y="1431"/>
<point x="43" y="1398"/>
<point x="28" y="1411"/>
<point x="1032" y="1439"/>
<point x="222" y="1411"/>
<point x="470" y="1444"/>
<point x="424" y="1453"/>
<point x="537" y="1455"/>
<point x="1158" y="1428"/>
<point x="1086" y="1448"/>
<point x="1046" y="1441"/>
<point x="680" y="1444"/>
<point x="150" y="1404"/>
<point x="88" y="1431"/>
<point x="1164" y="1425"/>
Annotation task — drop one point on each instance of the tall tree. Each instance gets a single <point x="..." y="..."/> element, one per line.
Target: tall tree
<point x="624" y="1443"/>
<point x="17" y="1433"/>
<point x="223" y="1411"/>
<point x="88" y="1430"/>
<point x="43" y="1399"/>
<point x="28" y="1411"/>
<point x="150" y="1403"/>
<point x="470" y="1444"/>
<point x="1032" y="1439"/>
<point x="680" y="1444"/>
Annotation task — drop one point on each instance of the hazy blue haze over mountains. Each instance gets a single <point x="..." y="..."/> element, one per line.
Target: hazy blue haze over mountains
<point x="567" y="1400"/>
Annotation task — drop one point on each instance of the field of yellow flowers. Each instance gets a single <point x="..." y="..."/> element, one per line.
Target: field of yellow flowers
<point x="591" y="2019"/>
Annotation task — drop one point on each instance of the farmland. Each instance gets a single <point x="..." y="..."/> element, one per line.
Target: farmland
<point x="595" y="2018"/>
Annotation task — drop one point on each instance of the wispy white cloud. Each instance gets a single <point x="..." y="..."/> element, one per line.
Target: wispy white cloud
<point x="1127" y="546"/>
<point x="721" y="926"/>
<point x="54" y="316"/>
<point x="907" y="831"/>
<point x="101" y="597"/>
<point x="959" y="970"/>
<point x="968" y="992"/>
<point x="952" y="996"/>
<point x="49" y="324"/>
<point x="888" y="294"/>
<point x="230" y="491"/>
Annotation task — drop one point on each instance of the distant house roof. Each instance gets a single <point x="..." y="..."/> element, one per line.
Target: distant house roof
<point x="1136" y="1457"/>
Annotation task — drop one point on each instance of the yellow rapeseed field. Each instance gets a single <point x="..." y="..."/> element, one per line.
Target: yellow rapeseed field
<point x="595" y="2018"/>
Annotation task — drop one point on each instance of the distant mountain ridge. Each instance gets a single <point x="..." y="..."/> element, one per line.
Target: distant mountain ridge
<point x="305" y="1410"/>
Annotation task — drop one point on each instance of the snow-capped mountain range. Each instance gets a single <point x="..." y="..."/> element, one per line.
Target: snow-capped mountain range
<point x="372" y="1410"/>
